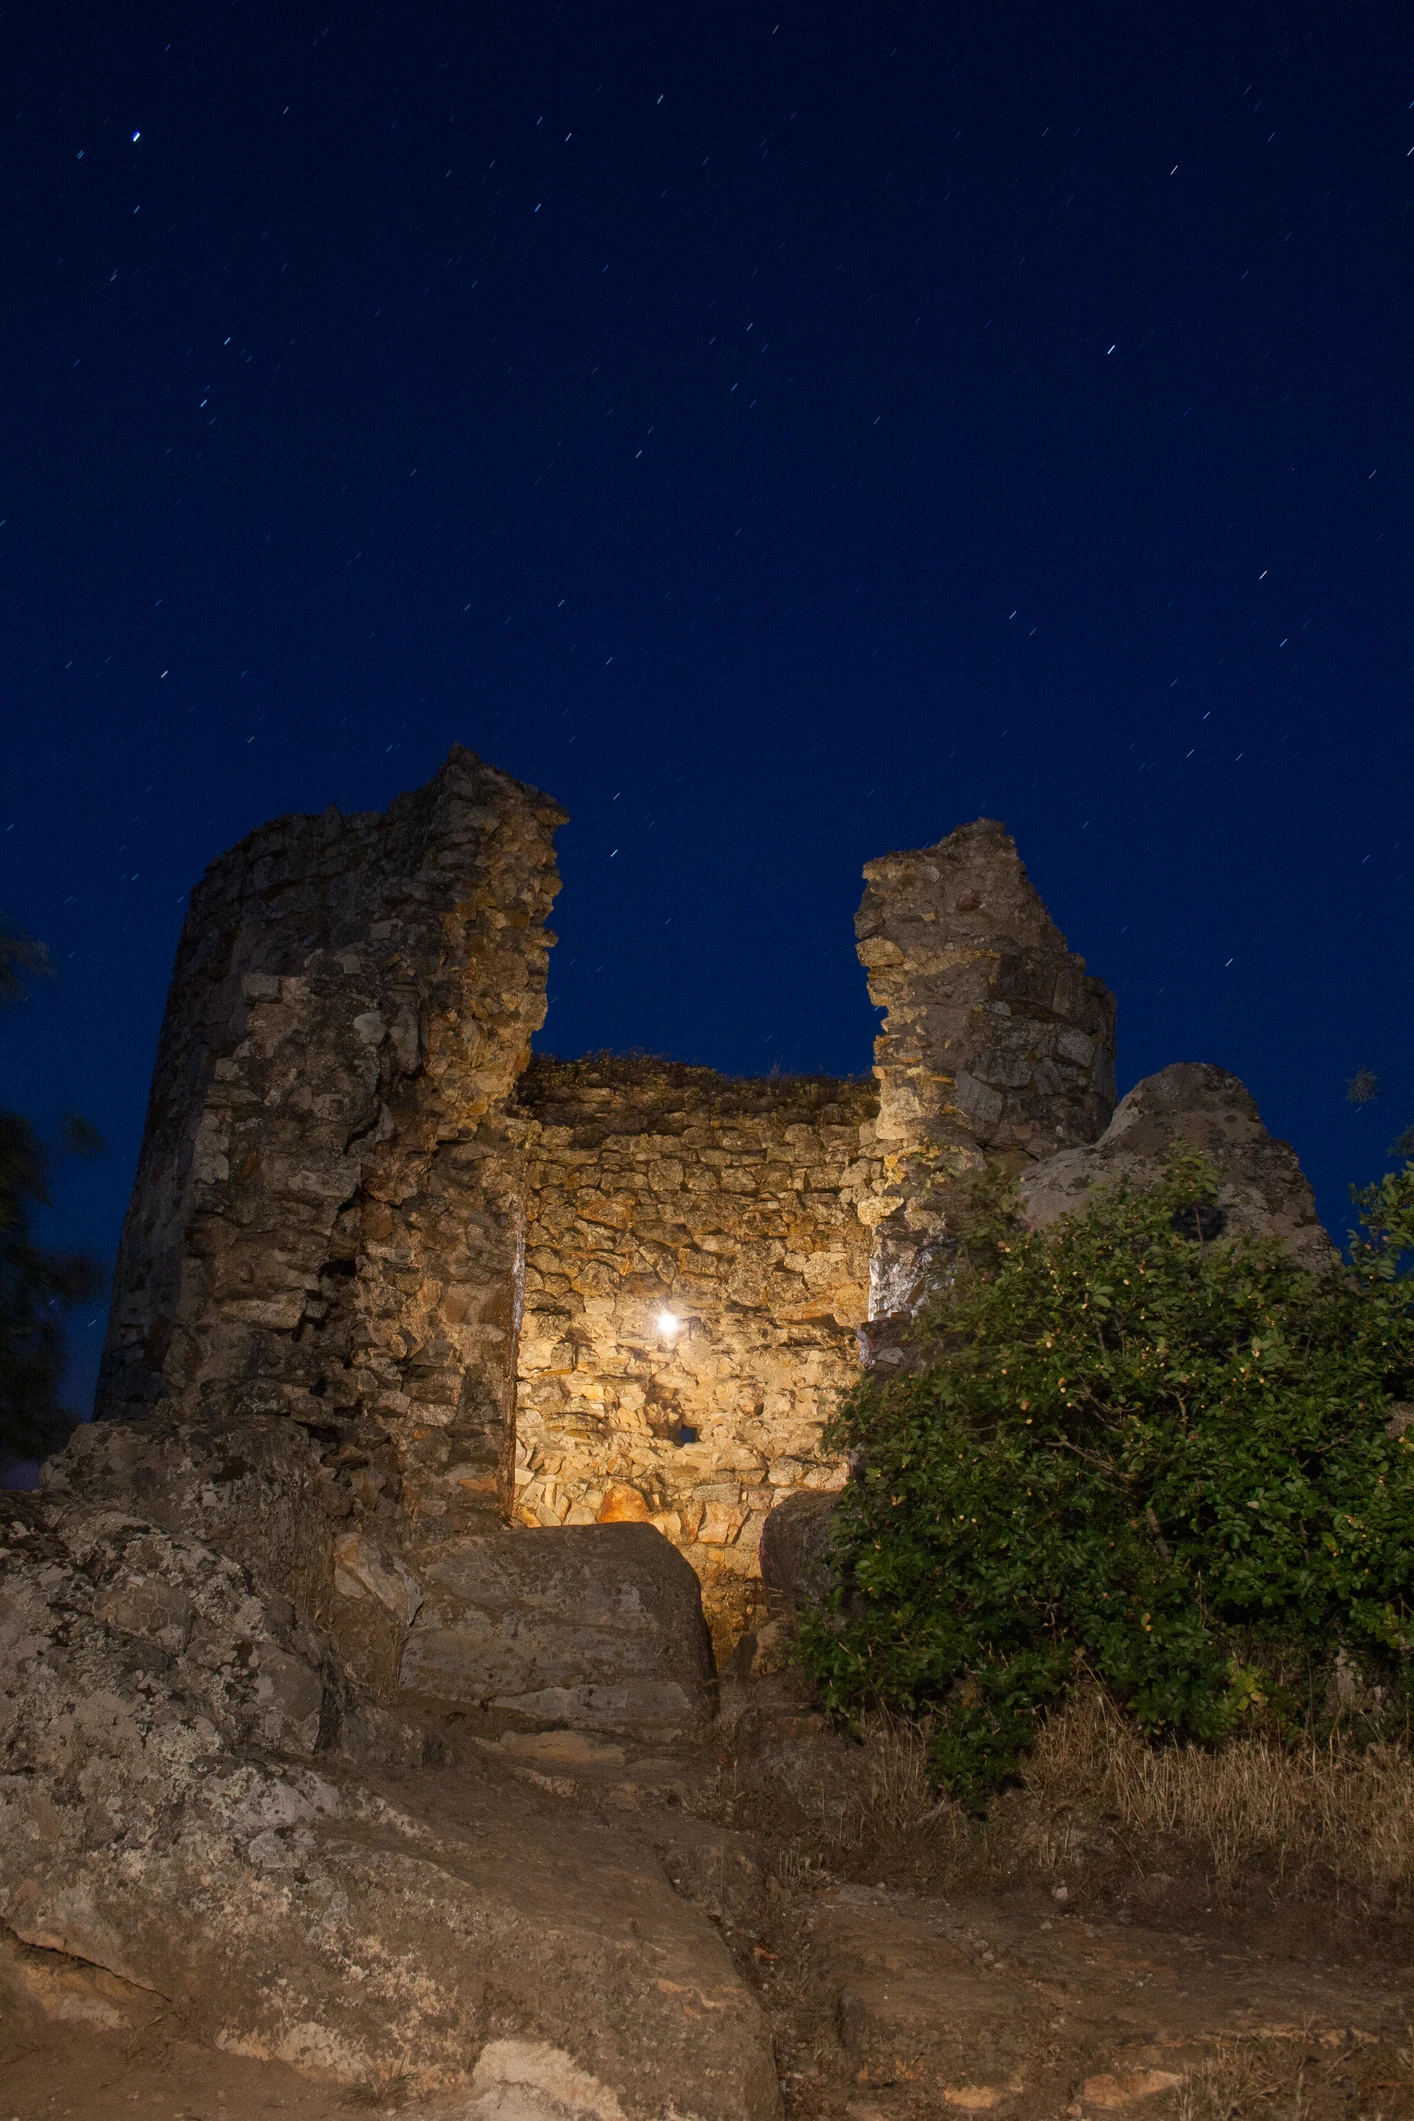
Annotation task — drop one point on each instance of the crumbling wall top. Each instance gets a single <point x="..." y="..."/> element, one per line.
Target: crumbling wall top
<point x="997" y="1044"/>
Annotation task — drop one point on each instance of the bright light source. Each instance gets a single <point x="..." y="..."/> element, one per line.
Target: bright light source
<point x="668" y="1324"/>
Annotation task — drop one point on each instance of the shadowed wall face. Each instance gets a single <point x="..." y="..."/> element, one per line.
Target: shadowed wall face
<point x="325" y="1223"/>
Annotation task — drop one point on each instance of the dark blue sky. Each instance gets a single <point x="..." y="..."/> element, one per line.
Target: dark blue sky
<point x="782" y="433"/>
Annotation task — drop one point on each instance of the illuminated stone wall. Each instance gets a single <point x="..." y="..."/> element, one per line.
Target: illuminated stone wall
<point x="357" y="1206"/>
<point x="777" y="1219"/>
<point x="735" y="1207"/>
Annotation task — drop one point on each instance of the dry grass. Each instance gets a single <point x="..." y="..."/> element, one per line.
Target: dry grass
<point x="1243" y="2077"/>
<point x="840" y="1808"/>
<point x="897" y="1795"/>
<point x="1309" y="1819"/>
<point x="1311" y="1822"/>
<point x="888" y="1797"/>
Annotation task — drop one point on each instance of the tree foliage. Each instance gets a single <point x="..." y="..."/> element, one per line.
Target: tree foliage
<point x="1363" y="1087"/>
<point x="37" y="1286"/>
<point x="20" y="954"/>
<point x="1132" y="1451"/>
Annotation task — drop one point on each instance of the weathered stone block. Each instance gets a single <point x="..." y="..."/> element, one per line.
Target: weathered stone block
<point x="794" y="1546"/>
<point x="596" y="1626"/>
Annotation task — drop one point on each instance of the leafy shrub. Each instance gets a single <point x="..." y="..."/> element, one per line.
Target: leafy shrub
<point x="37" y="1287"/>
<point x="1133" y="1451"/>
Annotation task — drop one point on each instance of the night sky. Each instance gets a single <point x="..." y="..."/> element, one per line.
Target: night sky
<point x="782" y="434"/>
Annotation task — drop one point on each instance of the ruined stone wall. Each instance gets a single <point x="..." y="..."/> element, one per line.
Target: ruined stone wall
<point x="325" y="1222"/>
<point x="775" y="1220"/>
<point x="734" y="1206"/>
<point x="350" y="1182"/>
<point x="997" y="1047"/>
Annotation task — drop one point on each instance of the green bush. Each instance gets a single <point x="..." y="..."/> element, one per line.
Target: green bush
<point x="1138" y="1454"/>
<point x="37" y="1288"/>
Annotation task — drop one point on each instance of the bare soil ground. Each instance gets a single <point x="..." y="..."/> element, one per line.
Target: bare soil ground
<point x="1075" y="1956"/>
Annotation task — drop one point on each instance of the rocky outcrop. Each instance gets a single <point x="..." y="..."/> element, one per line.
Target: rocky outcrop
<point x="324" y="1223"/>
<point x="175" y="1813"/>
<point x="997" y="1047"/>
<point x="253" y="1488"/>
<point x="1025" y="2010"/>
<point x="1262" y="1190"/>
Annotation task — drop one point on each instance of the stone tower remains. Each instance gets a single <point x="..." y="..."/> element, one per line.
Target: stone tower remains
<point x="326" y="1221"/>
<point x="546" y="1291"/>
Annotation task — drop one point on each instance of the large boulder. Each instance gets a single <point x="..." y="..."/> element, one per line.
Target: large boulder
<point x="173" y="1811"/>
<point x="1262" y="1190"/>
<point x="595" y="1626"/>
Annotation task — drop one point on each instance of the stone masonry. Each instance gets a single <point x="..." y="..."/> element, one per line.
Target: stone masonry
<point x="697" y="1271"/>
<point x="563" y="1292"/>
<point x="996" y="1047"/>
<point x="325" y="1222"/>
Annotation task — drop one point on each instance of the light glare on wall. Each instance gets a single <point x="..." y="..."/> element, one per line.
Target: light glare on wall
<point x="668" y="1324"/>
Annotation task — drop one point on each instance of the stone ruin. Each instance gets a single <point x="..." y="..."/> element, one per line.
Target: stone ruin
<point x="354" y="1673"/>
<point x="490" y="1286"/>
<point x="327" y="1220"/>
